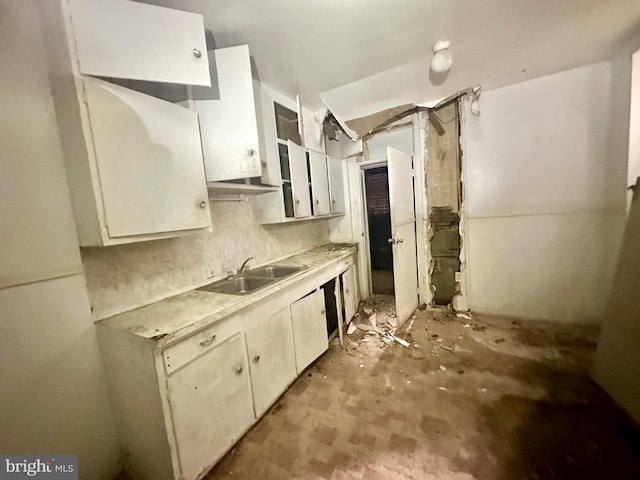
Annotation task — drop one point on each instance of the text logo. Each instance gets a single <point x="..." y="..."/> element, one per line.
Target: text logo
<point x="50" y="467"/>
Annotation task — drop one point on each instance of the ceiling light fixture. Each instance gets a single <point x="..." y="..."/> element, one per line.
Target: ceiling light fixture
<point x="442" y="58"/>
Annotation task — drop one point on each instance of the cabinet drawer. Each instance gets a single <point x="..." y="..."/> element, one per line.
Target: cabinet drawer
<point x="345" y="263"/>
<point x="181" y="353"/>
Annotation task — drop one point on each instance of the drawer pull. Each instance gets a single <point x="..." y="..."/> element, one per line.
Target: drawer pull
<point x="256" y="359"/>
<point x="208" y="341"/>
<point x="239" y="369"/>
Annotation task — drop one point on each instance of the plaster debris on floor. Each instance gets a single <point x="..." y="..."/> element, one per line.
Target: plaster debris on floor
<point x="484" y="398"/>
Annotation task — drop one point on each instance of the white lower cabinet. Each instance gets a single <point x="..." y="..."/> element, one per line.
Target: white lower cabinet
<point x="349" y="293"/>
<point x="309" y="329"/>
<point x="211" y="405"/>
<point x="271" y="358"/>
<point x="181" y="404"/>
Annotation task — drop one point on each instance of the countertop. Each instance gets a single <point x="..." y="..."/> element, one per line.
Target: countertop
<point x="183" y="314"/>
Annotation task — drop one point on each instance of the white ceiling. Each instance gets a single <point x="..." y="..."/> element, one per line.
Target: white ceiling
<point x="339" y="48"/>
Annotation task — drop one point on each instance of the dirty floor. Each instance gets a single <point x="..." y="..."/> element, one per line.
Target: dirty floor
<point x="469" y="398"/>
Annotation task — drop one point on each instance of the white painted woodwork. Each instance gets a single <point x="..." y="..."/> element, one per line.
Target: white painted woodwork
<point x="269" y="157"/>
<point x="403" y="232"/>
<point x="272" y="360"/>
<point x="149" y="162"/>
<point x="319" y="183"/>
<point x="125" y="39"/>
<point x="211" y="405"/>
<point x="350" y="293"/>
<point x="299" y="180"/>
<point x="229" y="125"/>
<point x="181" y="353"/>
<point x="335" y="167"/>
<point x="309" y="329"/>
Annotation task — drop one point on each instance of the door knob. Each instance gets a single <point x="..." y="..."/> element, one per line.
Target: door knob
<point x="196" y="53"/>
<point x="395" y="240"/>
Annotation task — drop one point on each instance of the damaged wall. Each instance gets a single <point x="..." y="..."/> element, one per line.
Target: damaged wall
<point x="124" y="277"/>
<point x="442" y="177"/>
<point x="544" y="173"/>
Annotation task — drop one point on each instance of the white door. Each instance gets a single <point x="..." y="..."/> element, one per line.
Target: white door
<point x="228" y="125"/>
<point x="299" y="180"/>
<point x="309" y="322"/>
<point x="210" y="405"/>
<point x="319" y="183"/>
<point x="124" y="39"/>
<point x="149" y="162"/>
<point x="336" y="184"/>
<point x="403" y="233"/>
<point x="271" y="358"/>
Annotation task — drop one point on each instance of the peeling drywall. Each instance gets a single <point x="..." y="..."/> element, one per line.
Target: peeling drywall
<point x="124" y="277"/>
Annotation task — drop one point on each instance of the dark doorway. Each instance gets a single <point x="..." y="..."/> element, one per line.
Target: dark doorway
<point x="376" y="182"/>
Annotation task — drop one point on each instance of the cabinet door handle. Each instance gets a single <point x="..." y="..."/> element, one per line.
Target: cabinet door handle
<point x="251" y="152"/>
<point x="240" y="369"/>
<point x="208" y="341"/>
<point x="297" y="202"/>
<point x="264" y="163"/>
<point x="317" y="202"/>
<point x="323" y="312"/>
<point x="196" y="53"/>
<point x="202" y="204"/>
<point x="256" y="359"/>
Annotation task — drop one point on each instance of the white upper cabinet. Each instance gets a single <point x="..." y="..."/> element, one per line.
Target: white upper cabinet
<point x="319" y="183"/>
<point x="124" y="39"/>
<point x="149" y="162"/>
<point x="299" y="180"/>
<point x="229" y="123"/>
<point x="336" y="184"/>
<point x="134" y="162"/>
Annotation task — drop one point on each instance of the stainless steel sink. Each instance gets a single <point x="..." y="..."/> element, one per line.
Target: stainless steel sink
<point x="252" y="280"/>
<point x="237" y="286"/>
<point x="273" y="271"/>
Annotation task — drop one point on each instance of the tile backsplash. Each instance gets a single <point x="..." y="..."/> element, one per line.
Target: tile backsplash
<point x="123" y="277"/>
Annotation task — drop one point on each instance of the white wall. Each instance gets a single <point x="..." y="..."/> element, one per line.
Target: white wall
<point x="544" y="183"/>
<point x="53" y="393"/>
<point x="617" y="362"/>
<point x="633" y="171"/>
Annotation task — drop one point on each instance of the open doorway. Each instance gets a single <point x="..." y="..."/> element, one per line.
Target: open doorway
<point x="378" y="217"/>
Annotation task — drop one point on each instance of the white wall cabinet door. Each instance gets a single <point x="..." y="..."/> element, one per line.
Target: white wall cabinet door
<point x="149" y="162"/>
<point x="211" y="405"/>
<point x="319" y="183"/>
<point x="271" y="358"/>
<point x="299" y="180"/>
<point x="336" y="184"/>
<point x="309" y="329"/>
<point x="350" y="293"/>
<point x="269" y="157"/>
<point x="125" y="39"/>
<point x="228" y="125"/>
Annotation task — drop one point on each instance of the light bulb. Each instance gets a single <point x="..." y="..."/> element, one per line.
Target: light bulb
<point x="442" y="58"/>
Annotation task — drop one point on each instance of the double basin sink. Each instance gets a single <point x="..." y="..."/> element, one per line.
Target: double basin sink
<point x="252" y="280"/>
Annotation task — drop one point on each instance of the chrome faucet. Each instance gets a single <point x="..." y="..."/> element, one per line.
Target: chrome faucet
<point x="244" y="264"/>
